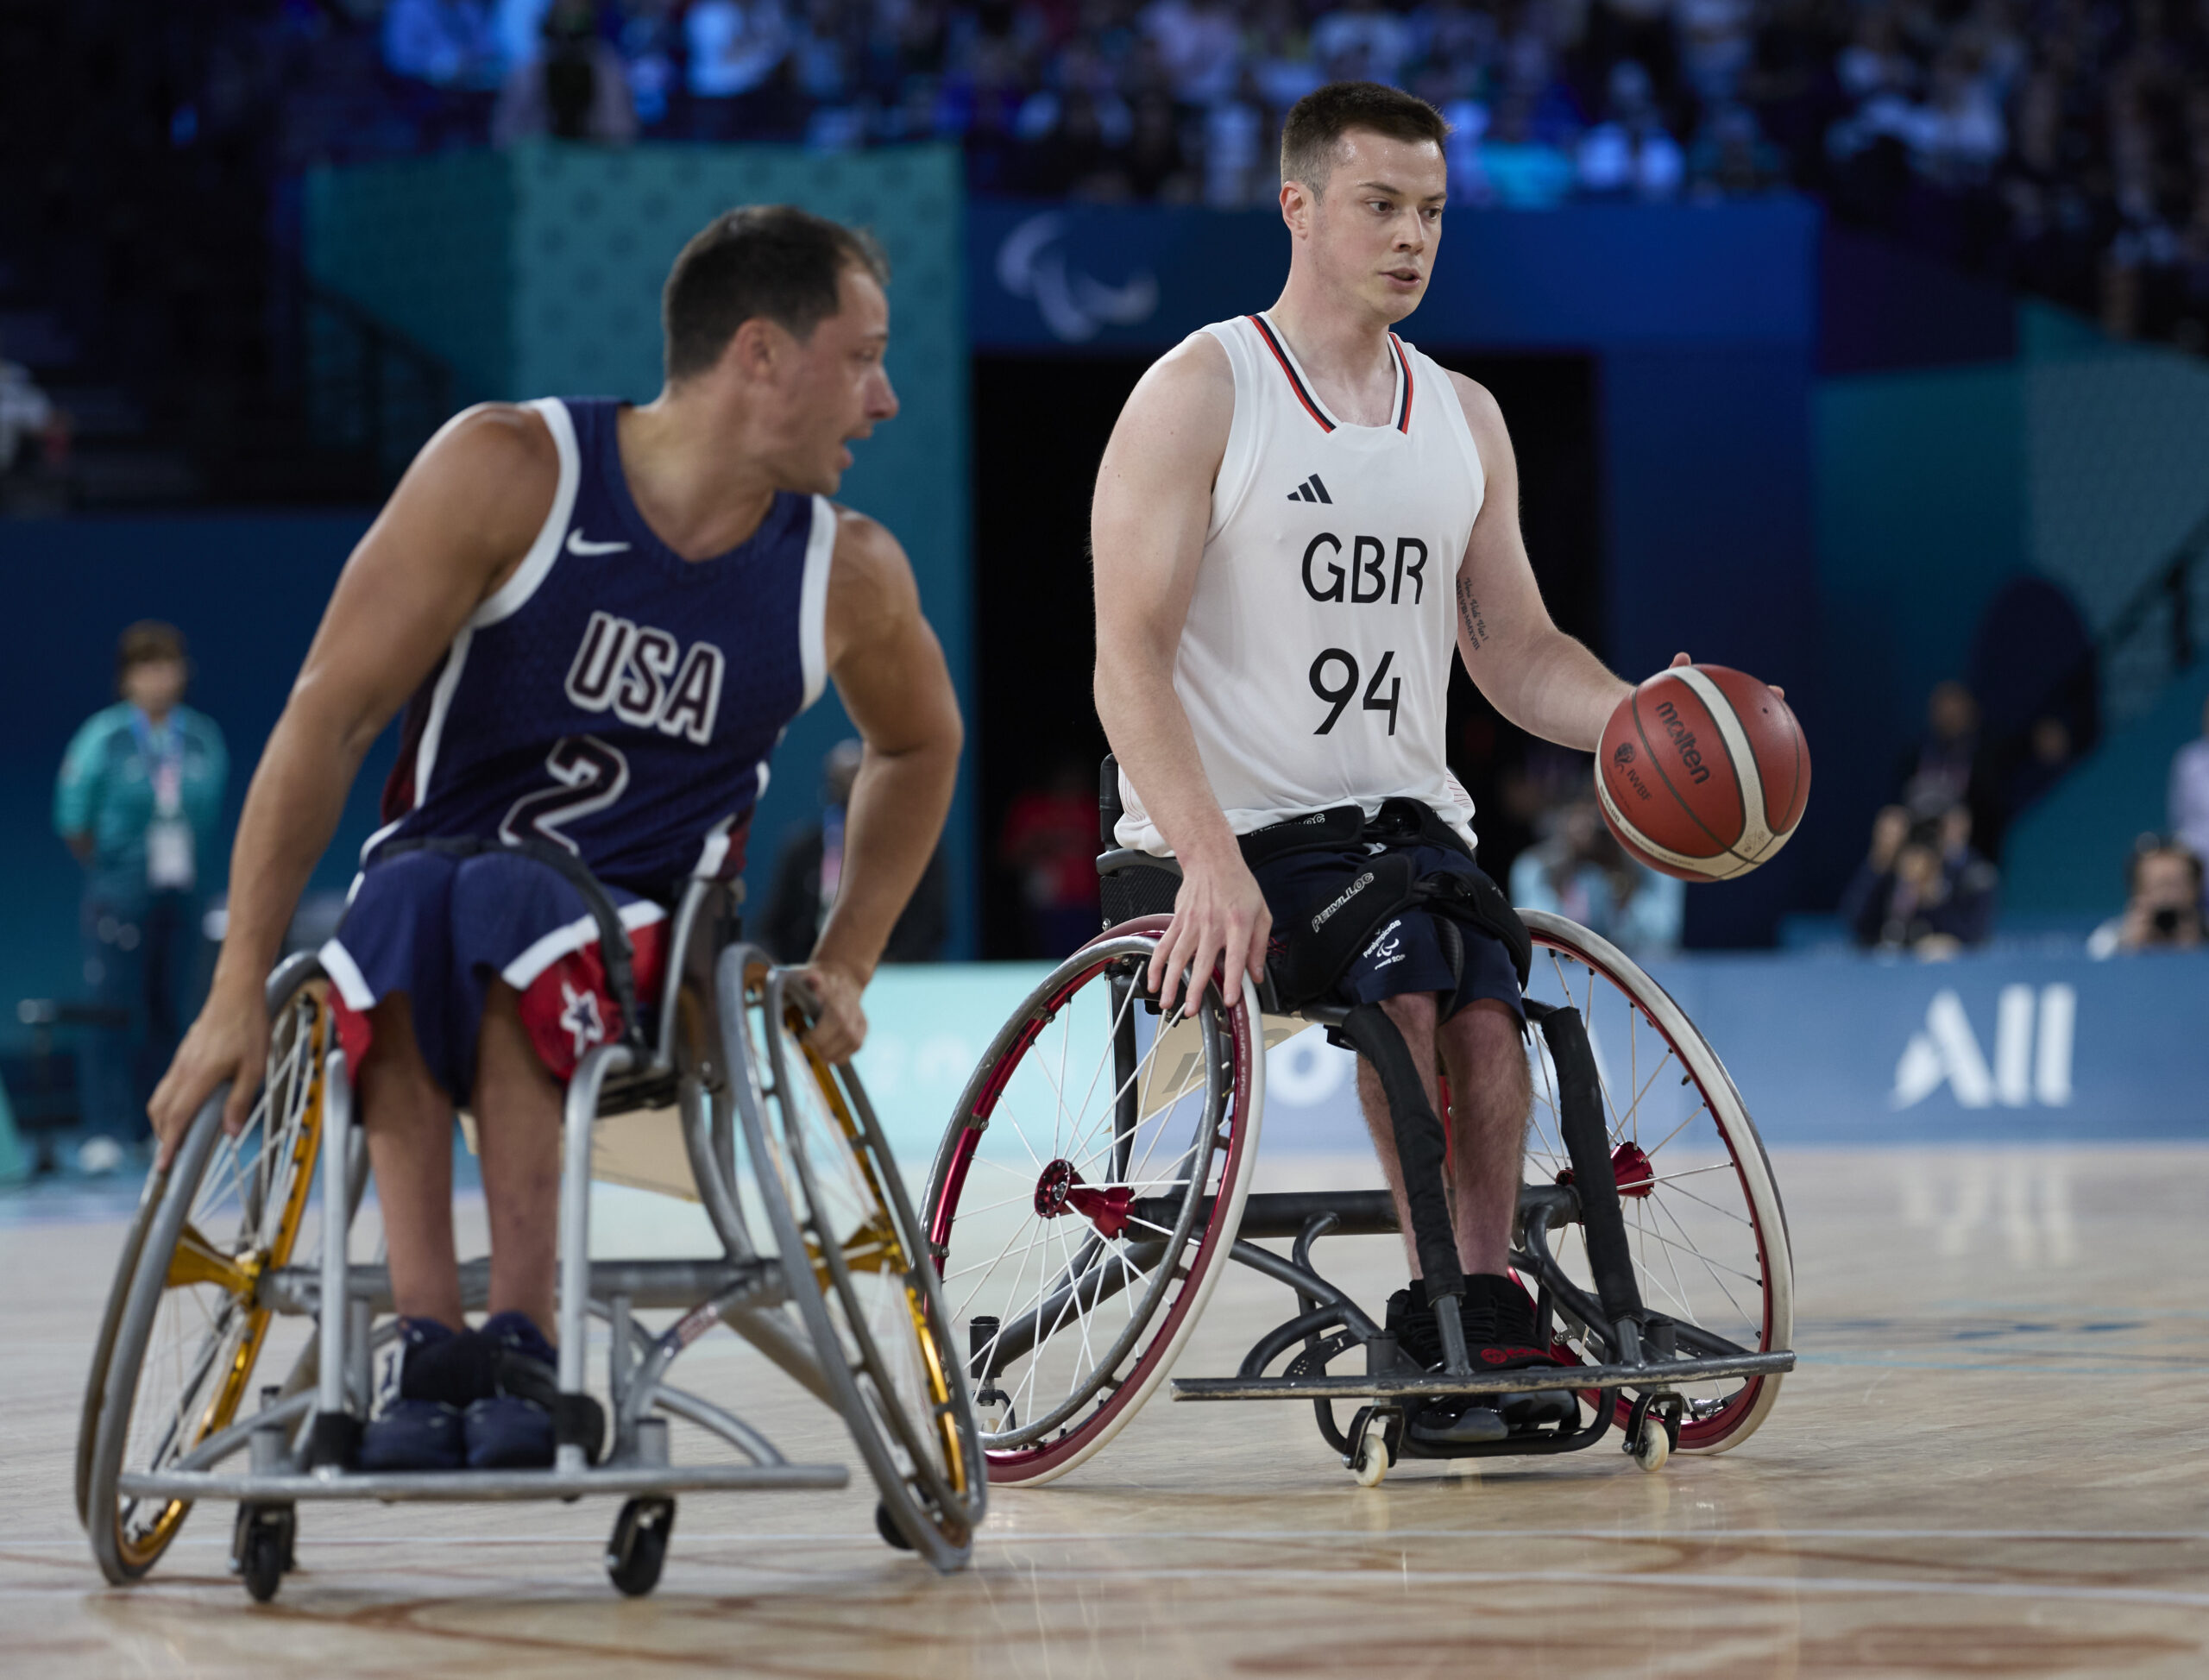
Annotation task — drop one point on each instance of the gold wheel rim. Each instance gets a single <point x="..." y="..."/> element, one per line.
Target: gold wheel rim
<point x="875" y="1246"/>
<point x="195" y="1261"/>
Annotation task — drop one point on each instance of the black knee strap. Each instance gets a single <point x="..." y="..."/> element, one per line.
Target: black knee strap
<point x="1422" y="1149"/>
<point x="1580" y="1118"/>
<point x="1319" y="946"/>
<point x="577" y="1419"/>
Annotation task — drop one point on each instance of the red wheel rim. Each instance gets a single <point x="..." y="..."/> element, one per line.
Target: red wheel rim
<point x="1705" y="1432"/>
<point x="1201" y="1252"/>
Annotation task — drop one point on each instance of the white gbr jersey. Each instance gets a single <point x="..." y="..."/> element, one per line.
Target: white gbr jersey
<point x="1314" y="666"/>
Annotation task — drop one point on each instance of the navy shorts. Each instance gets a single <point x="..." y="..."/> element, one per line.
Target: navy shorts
<point x="441" y="928"/>
<point x="1405" y="954"/>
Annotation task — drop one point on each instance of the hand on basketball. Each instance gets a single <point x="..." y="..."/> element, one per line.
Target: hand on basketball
<point x="228" y="1043"/>
<point x="1220" y="925"/>
<point x="841" y="1028"/>
<point x="1682" y="659"/>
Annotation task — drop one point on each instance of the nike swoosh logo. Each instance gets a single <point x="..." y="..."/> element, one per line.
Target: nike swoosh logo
<point x="577" y="545"/>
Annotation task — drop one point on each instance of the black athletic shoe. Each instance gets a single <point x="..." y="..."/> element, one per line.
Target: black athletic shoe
<point x="1498" y="1318"/>
<point x="1456" y="1420"/>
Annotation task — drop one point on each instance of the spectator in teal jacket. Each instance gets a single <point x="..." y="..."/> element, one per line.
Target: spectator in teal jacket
<point x="139" y="802"/>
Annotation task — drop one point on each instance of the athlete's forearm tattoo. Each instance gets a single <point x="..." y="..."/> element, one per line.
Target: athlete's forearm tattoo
<point x="1469" y="614"/>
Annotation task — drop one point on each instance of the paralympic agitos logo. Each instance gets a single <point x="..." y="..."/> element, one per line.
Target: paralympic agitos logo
<point x="1683" y="742"/>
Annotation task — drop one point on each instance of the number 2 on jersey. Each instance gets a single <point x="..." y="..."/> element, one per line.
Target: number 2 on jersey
<point x="1339" y="698"/>
<point x="590" y="774"/>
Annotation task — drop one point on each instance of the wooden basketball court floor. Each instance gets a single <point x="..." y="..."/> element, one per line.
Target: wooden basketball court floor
<point x="1991" y="1463"/>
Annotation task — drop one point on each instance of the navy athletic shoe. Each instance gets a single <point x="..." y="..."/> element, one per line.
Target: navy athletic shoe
<point x="511" y="1427"/>
<point x="434" y="1372"/>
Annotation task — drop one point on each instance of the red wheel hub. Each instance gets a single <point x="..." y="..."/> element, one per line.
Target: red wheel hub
<point x="1635" y="1175"/>
<point x="1060" y="1190"/>
<point x="1632" y="1168"/>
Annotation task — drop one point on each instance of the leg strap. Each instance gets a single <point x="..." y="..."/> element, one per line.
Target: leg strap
<point x="1580" y="1118"/>
<point x="1421" y="1147"/>
<point x="1322" y="941"/>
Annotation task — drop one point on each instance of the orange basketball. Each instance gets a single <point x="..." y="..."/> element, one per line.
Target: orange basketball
<point x="1703" y="773"/>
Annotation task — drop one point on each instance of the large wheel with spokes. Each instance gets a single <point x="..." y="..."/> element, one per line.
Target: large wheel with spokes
<point x="184" y="1329"/>
<point x="1703" y="1219"/>
<point x="1085" y="1200"/>
<point x="868" y="1296"/>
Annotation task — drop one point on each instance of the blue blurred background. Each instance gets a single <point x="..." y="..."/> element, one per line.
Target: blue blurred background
<point x="1856" y="343"/>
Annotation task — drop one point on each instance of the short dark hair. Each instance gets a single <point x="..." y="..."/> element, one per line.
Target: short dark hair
<point x="2154" y="846"/>
<point x="145" y="642"/>
<point x="1323" y="117"/>
<point x="772" y="261"/>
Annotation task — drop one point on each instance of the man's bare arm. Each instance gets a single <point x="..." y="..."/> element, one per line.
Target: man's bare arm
<point x="1147" y="530"/>
<point x="457" y="525"/>
<point x="889" y="673"/>
<point x="1537" y="677"/>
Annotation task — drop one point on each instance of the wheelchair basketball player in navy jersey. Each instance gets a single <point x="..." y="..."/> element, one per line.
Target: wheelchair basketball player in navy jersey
<point x="1298" y="519"/>
<point x="599" y="619"/>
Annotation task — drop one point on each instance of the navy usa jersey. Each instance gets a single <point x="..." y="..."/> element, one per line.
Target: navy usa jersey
<point x="612" y="697"/>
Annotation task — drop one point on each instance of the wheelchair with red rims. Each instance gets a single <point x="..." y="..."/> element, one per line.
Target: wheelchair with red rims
<point x="234" y="1267"/>
<point x="1094" y="1185"/>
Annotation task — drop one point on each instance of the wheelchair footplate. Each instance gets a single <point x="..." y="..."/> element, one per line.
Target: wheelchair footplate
<point x="293" y="1457"/>
<point x="1652" y="1357"/>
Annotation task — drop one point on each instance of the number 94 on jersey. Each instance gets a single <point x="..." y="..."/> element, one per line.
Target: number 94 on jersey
<point x="1334" y="678"/>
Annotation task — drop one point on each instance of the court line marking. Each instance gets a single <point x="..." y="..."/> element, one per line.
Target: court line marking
<point x="1781" y="1585"/>
<point x="1992" y="1368"/>
<point x="1830" y="1586"/>
<point x="1091" y="1537"/>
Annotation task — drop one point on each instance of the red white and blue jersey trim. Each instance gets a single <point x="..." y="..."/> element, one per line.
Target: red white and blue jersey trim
<point x="612" y="697"/>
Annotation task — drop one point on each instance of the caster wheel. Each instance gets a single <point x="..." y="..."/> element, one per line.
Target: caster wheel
<point x="1371" y="1463"/>
<point x="639" y="1547"/>
<point x="1655" y="1447"/>
<point x="261" y="1548"/>
<point x="886" y="1526"/>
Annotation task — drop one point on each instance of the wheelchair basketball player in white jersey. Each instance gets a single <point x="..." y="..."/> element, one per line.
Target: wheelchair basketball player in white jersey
<point x="1297" y="517"/>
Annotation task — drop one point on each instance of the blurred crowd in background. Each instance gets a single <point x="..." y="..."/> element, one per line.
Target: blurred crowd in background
<point x="2061" y="145"/>
<point x="1929" y="883"/>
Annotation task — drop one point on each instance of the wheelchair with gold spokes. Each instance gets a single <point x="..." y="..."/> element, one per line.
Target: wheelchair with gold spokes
<point x="1094" y="1185"/>
<point x="197" y="1393"/>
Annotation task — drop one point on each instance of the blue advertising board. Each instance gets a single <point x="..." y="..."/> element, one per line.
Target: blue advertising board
<point x="1826" y="1050"/>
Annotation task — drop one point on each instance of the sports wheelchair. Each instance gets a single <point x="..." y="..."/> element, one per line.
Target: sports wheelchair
<point x="224" y="1246"/>
<point x="1095" y="1177"/>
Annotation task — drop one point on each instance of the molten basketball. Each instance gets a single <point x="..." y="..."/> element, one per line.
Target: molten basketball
<point x="1703" y="773"/>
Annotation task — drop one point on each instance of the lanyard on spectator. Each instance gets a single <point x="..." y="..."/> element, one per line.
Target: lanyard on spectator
<point x="163" y="754"/>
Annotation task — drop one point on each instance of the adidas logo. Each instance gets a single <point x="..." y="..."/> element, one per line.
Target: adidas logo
<point x="1311" y="490"/>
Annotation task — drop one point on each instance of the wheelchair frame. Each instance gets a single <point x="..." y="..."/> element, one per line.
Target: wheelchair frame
<point x="1648" y="1357"/>
<point x="299" y="1443"/>
<point x="1653" y="1353"/>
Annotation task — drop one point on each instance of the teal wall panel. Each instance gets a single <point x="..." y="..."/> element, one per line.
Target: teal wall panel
<point x="1921" y="517"/>
<point x="538" y="272"/>
<point x="425" y="244"/>
<point x="2068" y="852"/>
